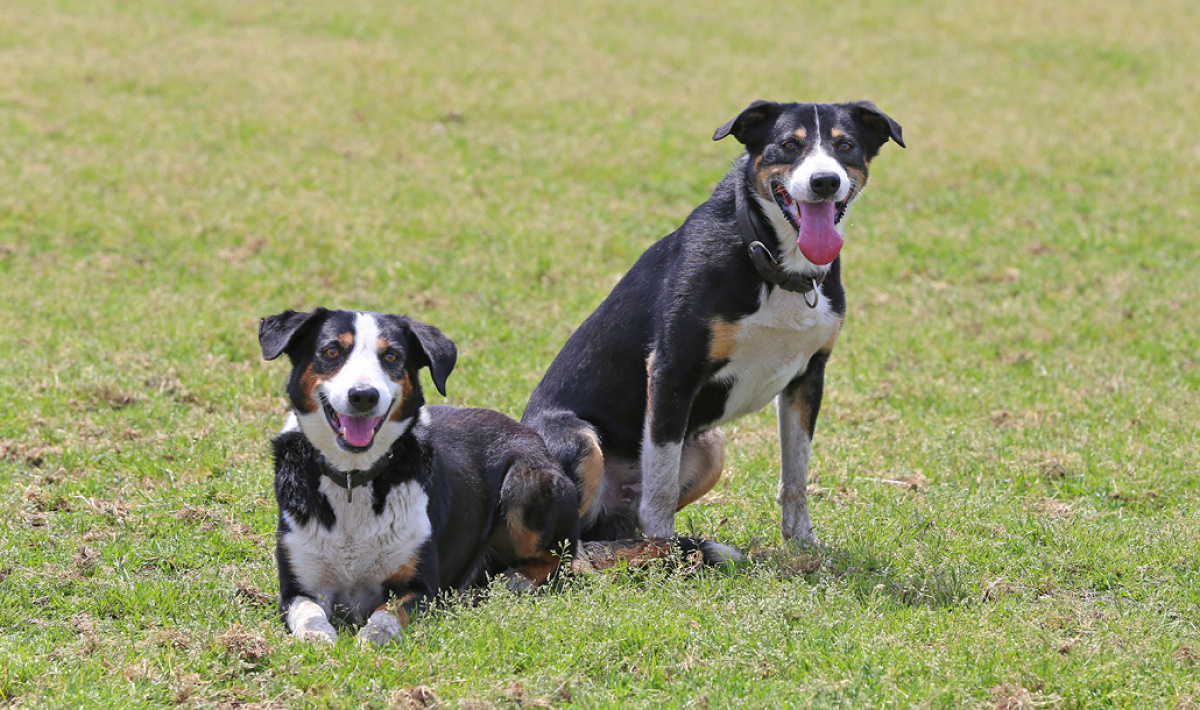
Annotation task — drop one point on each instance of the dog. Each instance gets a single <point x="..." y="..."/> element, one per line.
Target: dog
<point x="740" y="305"/>
<point x="385" y="502"/>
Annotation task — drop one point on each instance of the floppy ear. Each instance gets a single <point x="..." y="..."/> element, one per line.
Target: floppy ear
<point x="878" y="122"/>
<point x="276" y="333"/>
<point x="437" y="351"/>
<point x="748" y="119"/>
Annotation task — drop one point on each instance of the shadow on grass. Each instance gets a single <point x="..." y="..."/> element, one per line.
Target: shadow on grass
<point x="868" y="575"/>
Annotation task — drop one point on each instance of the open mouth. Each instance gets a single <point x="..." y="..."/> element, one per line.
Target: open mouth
<point x="815" y="224"/>
<point x="354" y="434"/>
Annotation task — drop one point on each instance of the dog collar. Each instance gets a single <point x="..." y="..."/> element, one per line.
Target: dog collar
<point x="764" y="261"/>
<point x="358" y="477"/>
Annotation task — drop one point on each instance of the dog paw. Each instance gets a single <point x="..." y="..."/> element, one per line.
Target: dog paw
<point x="326" y="635"/>
<point x="804" y="539"/>
<point x="381" y="628"/>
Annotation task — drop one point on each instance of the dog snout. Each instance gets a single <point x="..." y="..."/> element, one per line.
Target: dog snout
<point x="825" y="185"/>
<point x="363" y="398"/>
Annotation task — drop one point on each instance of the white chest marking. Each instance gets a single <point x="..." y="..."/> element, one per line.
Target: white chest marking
<point x="347" y="565"/>
<point x="774" y="345"/>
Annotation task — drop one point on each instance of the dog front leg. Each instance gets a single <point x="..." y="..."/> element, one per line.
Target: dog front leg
<point x="798" y="406"/>
<point x="411" y="589"/>
<point x="669" y="403"/>
<point x="308" y="620"/>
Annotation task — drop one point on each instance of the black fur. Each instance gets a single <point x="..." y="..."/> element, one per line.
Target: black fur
<point x="668" y="302"/>
<point x="484" y="475"/>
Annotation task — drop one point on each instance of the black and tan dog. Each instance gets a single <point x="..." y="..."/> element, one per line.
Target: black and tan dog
<point x="740" y="305"/>
<point x="385" y="502"/>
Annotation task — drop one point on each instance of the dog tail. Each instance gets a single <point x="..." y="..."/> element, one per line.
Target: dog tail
<point x="598" y="556"/>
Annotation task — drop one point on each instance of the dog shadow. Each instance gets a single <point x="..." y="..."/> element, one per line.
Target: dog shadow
<point x="868" y="574"/>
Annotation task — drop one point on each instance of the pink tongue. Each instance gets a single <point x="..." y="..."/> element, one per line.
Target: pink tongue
<point x="359" y="430"/>
<point x="818" y="239"/>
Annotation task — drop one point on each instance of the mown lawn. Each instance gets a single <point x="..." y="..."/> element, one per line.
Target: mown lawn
<point x="1005" y="475"/>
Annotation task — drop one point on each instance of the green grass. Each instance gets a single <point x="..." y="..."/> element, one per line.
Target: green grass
<point x="1004" y="468"/>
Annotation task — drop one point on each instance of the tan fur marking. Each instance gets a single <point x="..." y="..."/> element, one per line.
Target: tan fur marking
<point x="346" y="340"/>
<point x="858" y="179"/>
<point x="309" y="381"/>
<point x="406" y="388"/>
<point x="722" y="340"/>
<point x="649" y="386"/>
<point x="762" y="179"/>
<point x="396" y="607"/>
<point x="797" y="400"/>
<point x="800" y="133"/>
<point x="837" y="133"/>
<point x="402" y="575"/>
<point x="828" y="346"/>
<point x="526" y="542"/>
<point x="590" y="472"/>
<point x="381" y="344"/>
<point x="700" y="466"/>
<point x="539" y="569"/>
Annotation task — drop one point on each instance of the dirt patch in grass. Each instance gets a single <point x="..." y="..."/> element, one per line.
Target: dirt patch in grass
<point x="112" y="397"/>
<point x="1010" y="696"/>
<point x="27" y="454"/>
<point x="239" y="643"/>
<point x="415" y="698"/>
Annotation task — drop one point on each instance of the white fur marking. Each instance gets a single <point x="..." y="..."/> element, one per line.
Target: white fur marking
<point x="796" y="450"/>
<point x="774" y="345"/>
<point x="383" y="626"/>
<point x="309" y="621"/>
<point x="346" y="566"/>
<point x="799" y="185"/>
<point x="660" y="485"/>
<point x="361" y="368"/>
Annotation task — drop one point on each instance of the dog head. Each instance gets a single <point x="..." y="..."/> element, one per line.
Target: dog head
<point x="806" y="163"/>
<point x="354" y="386"/>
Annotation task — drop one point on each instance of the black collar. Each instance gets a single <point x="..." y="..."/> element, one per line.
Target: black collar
<point x="359" y="477"/>
<point x="760" y="254"/>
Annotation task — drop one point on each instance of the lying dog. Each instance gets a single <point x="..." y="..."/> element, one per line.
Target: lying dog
<point x="385" y="502"/>
<point x="740" y="305"/>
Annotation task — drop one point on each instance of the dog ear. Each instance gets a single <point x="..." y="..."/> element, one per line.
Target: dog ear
<point x="750" y="117"/>
<point x="437" y="351"/>
<point x="276" y="333"/>
<point x="878" y="123"/>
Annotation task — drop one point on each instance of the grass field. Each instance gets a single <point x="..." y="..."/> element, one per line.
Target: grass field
<point x="1005" y="472"/>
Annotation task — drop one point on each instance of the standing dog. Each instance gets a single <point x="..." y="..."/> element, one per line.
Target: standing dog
<point x="384" y="502"/>
<point x="740" y="305"/>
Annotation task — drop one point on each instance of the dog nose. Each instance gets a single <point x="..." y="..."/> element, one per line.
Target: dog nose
<point x="825" y="185"/>
<point x="363" y="398"/>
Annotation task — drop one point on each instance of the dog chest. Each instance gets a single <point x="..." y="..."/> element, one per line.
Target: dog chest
<point x="772" y="346"/>
<point x="346" y="565"/>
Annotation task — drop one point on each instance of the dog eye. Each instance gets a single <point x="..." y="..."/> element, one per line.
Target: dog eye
<point x="332" y="352"/>
<point x="390" y="356"/>
<point x="844" y="145"/>
<point x="791" y="145"/>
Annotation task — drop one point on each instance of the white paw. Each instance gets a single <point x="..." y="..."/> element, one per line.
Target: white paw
<point x="308" y="622"/>
<point x="322" y="635"/>
<point x="381" y="628"/>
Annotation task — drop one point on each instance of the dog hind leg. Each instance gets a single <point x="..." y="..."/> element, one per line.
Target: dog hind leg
<point x="539" y="520"/>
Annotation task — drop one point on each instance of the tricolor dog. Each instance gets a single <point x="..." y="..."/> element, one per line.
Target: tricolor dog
<point x="740" y="305"/>
<point x="385" y="502"/>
